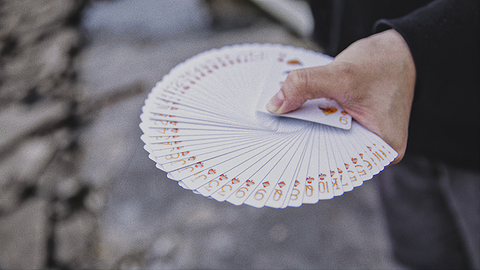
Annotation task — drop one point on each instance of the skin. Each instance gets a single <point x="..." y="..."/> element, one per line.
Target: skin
<point x="373" y="80"/>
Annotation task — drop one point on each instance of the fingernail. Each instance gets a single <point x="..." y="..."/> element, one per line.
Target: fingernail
<point x="276" y="102"/>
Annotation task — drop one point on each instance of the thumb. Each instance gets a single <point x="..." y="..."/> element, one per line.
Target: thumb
<point x="300" y="86"/>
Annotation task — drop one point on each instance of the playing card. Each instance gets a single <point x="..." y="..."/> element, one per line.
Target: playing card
<point x="322" y="110"/>
<point x="206" y="126"/>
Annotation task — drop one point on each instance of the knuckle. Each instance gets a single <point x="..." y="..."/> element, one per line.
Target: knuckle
<point x="346" y="73"/>
<point x="297" y="83"/>
<point x="347" y="86"/>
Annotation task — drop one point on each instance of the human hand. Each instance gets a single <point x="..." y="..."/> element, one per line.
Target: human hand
<point x="373" y="80"/>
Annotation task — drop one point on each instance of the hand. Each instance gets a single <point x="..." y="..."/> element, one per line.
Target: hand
<point x="373" y="80"/>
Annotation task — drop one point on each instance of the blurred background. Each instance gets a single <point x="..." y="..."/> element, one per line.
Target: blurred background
<point x="77" y="190"/>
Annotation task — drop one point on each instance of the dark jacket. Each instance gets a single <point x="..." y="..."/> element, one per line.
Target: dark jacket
<point x="443" y="37"/>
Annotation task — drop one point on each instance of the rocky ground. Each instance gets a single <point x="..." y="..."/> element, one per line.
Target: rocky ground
<point x="78" y="191"/>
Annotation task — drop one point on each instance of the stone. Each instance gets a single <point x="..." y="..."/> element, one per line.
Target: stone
<point x="60" y="168"/>
<point x="95" y="201"/>
<point x="74" y="240"/>
<point x="28" y="160"/>
<point x="67" y="187"/>
<point x="23" y="237"/>
<point x="53" y="53"/>
<point x="9" y="198"/>
<point x="39" y="41"/>
<point x="44" y="63"/>
<point x="63" y="138"/>
<point x="36" y="41"/>
<point x="18" y="120"/>
<point x="35" y="15"/>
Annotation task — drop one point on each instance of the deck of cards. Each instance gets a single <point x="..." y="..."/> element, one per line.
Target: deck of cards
<point x="205" y="124"/>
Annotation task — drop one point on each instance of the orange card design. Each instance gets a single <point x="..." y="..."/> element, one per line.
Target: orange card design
<point x="202" y="126"/>
<point x="322" y="111"/>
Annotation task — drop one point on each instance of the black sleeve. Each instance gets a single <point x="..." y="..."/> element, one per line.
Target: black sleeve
<point x="443" y="38"/>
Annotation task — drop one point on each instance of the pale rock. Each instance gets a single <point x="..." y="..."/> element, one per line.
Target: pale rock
<point x="18" y="120"/>
<point x="54" y="53"/>
<point x="63" y="138"/>
<point x="30" y="15"/>
<point x="61" y="210"/>
<point x="40" y="66"/>
<point x="74" y="240"/>
<point x="57" y="171"/>
<point x="95" y="201"/>
<point x="23" y="237"/>
<point x="9" y="198"/>
<point x="68" y="187"/>
<point x="28" y="160"/>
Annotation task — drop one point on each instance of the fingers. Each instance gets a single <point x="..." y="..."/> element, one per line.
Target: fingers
<point x="300" y="86"/>
<point x="373" y="80"/>
<point x="280" y="105"/>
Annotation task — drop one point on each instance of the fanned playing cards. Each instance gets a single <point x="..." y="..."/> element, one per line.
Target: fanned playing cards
<point x="205" y="124"/>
